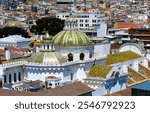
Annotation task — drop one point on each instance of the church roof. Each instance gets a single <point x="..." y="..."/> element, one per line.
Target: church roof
<point x="73" y="89"/>
<point x="121" y="57"/>
<point x="50" y="58"/>
<point x="14" y="38"/>
<point x="71" y="37"/>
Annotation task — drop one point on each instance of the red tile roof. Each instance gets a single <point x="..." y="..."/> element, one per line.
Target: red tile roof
<point x="11" y="48"/>
<point x="1" y="52"/>
<point x="127" y="25"/>
<point x="74" y="89"/>
<point x="14" y="52"/>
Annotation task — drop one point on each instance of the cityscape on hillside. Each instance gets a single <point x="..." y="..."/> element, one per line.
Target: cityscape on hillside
<point x="74" y="47"/>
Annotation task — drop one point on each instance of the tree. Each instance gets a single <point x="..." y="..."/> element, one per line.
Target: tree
<point x="48" y="24"/>
<point x="6" y="31"/>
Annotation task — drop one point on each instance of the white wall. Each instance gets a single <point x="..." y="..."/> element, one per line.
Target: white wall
<point x="103" y="91"/>
<point x="81" y="74"/>
<point x="131" y="48"/>
<point x="102" y="30"/>
<point x="102" y="49"/>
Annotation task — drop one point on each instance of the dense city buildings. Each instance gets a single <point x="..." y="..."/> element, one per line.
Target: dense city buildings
<point x="74" y="47"/>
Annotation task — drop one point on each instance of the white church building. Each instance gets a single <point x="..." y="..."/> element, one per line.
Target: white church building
<point x="65" y="58"/>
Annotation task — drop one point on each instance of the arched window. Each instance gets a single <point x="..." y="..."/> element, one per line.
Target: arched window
<point x="10" y="78"/>
<point x="47" y="47"/>
<point x="5" y="78"/>
<point x="15" y="77"/>
<point x="71" y="76"/>
<point x="90" y="56"/>
<point x="82" y="56"/>
<point x="70" y="56"/>
<point x="19" y="76"/>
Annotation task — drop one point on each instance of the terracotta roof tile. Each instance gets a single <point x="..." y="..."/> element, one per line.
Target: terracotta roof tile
<point x="1" y="52"/>
<point x="15" y="55"/>
<point x="127" y="25"/>
<point x="74" y="89"/>
<point x="11" y="48"/>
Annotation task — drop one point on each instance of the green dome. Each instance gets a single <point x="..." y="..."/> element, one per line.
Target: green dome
<point x="48" y="58"/>
<point x="71" y="38"/>
<point x="47" y="38"/>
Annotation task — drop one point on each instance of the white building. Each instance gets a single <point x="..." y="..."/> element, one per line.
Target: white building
<point x="91" y="23"/>
<point x="16" y="41"/>
<point x="67" y="56"/>
<point x="107" y="80"/>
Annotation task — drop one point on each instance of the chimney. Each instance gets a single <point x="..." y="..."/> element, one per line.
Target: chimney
<point x="7" y="54"/>
<point x="37" y="49"/>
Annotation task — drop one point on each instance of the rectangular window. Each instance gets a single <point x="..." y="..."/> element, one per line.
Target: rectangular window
<point x="85" y="16"/>
<point x="94" y="21"/>
<point x="81" y="20"/>
<point x="99" y="20"/>
<point x="86" y="25"/>
<point x="93" y="25"/>
<point x="81" y="25"/>
<point x="71" y="76"/>
<point x="86" y="20"/>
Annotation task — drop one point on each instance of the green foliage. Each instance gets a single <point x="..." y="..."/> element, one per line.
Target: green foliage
<point x="52" y="25"/>
<point x="100" y="71"/>
<point x="121" y="57"/>
<point x="6" y="31"/>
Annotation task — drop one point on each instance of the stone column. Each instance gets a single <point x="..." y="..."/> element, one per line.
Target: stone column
<point x="12" y="78"/>
<point x="7" y="78"/>
<point x="17" y="78"/>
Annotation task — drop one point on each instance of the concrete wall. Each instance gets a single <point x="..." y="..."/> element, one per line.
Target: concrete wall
<point x="111" y="86"/>
<point x="131" y="47"/>
<point x="102" y="49"/>
<point x="13" y="70"/>
<point x="76" y="51"/>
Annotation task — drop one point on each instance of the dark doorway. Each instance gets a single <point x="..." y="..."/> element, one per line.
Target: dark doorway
<point x="15" y="77"/>
<point x="90" y="56"/>
<point x="82" y="56"/>
<point x="5" y="78"/>
<point x="70" y="57"/>
<point x="19" y="76"/>
<point x="10" y="78"/>
<point x="47" y="47"/>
